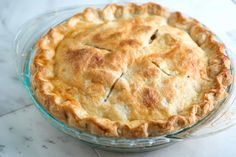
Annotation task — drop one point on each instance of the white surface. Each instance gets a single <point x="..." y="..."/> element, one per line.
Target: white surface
<point x="23" y="132"/>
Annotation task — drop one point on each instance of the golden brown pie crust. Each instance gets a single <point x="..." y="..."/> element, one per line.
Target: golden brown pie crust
<point x="130" y="71"/>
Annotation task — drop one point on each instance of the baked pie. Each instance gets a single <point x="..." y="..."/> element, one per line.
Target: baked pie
<point x="130" y="71"/>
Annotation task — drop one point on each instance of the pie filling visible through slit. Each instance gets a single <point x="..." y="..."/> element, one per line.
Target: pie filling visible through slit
<point x="130" y="71"/>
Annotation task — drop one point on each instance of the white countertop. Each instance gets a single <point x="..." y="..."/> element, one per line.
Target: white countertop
<point x="23" y="132"/>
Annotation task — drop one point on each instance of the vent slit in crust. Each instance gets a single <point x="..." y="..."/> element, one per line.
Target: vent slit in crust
<point x="153" y="37"/>
<point x="162" y="70"/>
<point x="112" y="87"/>
<point x="98" y="47"/>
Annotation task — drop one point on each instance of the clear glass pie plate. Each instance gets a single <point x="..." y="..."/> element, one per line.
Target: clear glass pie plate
<point x="223" y="117"/>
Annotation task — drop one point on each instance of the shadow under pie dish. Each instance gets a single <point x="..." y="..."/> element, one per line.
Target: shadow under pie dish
<point x="130" y="71"/>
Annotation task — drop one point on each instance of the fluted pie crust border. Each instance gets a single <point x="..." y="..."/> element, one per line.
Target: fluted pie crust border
<point x="68" y="113"/>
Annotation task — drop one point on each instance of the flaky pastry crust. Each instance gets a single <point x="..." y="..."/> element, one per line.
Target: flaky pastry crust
<point x="130" y="71"/>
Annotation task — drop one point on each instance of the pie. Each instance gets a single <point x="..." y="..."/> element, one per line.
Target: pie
<point x="130" y="71"/>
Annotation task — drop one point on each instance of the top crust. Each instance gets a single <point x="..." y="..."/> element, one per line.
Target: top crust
<point x="130" y="71"/>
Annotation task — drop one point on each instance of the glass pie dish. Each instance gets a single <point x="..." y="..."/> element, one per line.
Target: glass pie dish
<point x="221" y="118"/>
